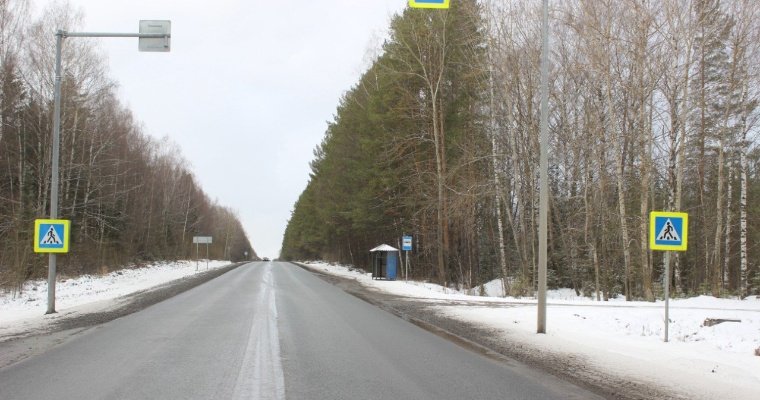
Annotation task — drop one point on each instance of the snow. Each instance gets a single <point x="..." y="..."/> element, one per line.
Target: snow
<point x="617" y="337"/>
<point x="383" y="247"/>
<point x="87" y="293"/>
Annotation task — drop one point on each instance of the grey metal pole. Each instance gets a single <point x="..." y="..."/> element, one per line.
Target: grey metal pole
<point x="118" y="35"/>
<point x="544" y="176"/>
<point x="406" y="274"/>
<point x="54" y="166"/>
<point x="667" y="293"/>
<point x="400" y="261"/>
<point x="400" y="254"/>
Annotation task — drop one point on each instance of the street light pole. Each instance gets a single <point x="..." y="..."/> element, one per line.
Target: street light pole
<point x="544" y="175"/>
<point x="52" y="260"/>
<point x="164" y="27"/>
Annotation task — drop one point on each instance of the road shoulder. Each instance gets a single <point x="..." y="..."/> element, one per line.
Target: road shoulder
<point x="34" y="337"/>
<point x="490" y="343"/>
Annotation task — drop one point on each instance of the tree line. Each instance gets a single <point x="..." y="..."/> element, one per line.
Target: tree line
<point x="653" y="106"/>
<point x="130" y="197"/>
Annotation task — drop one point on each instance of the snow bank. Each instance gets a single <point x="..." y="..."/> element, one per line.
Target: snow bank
<point x="89" y="289"/>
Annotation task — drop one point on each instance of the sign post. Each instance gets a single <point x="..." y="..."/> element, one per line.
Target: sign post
<point x="51" y="236"/>
<point x="198" y="240"/>
<point x="668" y="231"/>
<point x="406" y="246"/>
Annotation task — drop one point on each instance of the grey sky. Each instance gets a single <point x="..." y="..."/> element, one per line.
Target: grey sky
<point x="246" y="90"/>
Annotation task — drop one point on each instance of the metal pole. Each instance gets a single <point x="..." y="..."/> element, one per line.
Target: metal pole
<point x="206" y="255"/>
<point x="667" y="293"/>
<point x="544" y="176"/>
<point x="54" y="173"/>
<point x="407" y="266"/>
<point x="197" y="257"/>
<point x="400" y="253"/>
<point x="118" y="35"/>
<point x="401" y="261"/>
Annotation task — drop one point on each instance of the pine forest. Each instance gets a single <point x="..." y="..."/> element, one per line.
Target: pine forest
<point x="653" y="106"/>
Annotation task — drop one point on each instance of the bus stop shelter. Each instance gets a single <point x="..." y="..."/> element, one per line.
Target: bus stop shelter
<point x="384" y="262"/>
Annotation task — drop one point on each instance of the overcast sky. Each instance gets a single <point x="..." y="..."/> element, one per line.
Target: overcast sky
<point x="246" y="90"/>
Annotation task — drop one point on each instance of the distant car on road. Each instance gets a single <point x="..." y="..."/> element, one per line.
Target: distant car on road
<point x="265" y="259"/>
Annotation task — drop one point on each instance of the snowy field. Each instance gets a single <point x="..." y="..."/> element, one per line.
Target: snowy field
<point x="88" y="293"/>
<point x="617" y="337"/>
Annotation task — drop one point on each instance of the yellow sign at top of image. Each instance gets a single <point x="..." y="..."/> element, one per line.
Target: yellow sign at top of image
<point x="429" y="3"/>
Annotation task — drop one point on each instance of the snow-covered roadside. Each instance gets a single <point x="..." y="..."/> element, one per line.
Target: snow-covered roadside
<point x="616" y="337"/>
<point x="88" y="293"/>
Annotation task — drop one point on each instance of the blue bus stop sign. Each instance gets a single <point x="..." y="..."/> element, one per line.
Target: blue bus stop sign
<point x="406" y="243"/>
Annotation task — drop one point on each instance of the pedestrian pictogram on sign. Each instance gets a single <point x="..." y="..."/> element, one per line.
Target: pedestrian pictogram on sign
<point x="51" y="236"/>
<point x="668" y="231"/>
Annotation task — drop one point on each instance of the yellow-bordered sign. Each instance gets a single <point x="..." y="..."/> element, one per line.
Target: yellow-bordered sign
<point x="51" y="235"/>
<point x="668" y="231"/>
<point x="429" y="3"/>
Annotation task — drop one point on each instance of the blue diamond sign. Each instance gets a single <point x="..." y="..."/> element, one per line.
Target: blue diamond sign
<point x="429" y="3"/>
<point x="668" y="231"/>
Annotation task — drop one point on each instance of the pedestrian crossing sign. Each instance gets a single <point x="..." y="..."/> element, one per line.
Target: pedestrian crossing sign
<point x="668" y="231"/>
<point x="51" y="235"/>
<point x="429" y="3"/>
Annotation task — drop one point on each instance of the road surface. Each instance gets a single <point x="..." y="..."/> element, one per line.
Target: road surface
<point x="269" y="331"/>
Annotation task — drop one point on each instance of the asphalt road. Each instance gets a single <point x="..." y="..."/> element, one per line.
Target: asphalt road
<point x="270" y="331"/>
